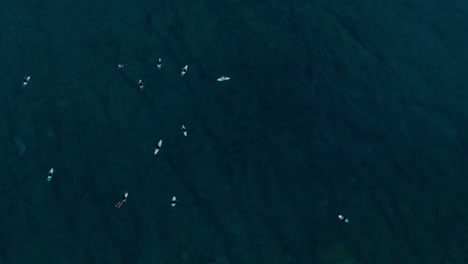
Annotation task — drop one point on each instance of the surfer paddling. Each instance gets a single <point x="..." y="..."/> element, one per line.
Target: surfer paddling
<point x="159" y="63"/>
<point x="343" y="218"/>
<point x="184" y="130"/>
<point x="50" y="174"/>
<point x="26" y="80"/>
<point x="140" y="84"/>
<point x="184" y="70"/>
<point x="158" y="147"/>
<point x="173" y="202"/>
<point x="223" y="78"/>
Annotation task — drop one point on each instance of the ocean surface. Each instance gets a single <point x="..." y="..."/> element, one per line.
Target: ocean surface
<point x="357" y="108"/>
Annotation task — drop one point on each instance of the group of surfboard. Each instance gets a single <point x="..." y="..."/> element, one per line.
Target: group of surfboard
<point x="174" y="200"/>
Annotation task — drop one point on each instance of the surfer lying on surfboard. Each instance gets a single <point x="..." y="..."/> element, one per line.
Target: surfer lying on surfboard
<point x="223" y="78"/>
<point x="184" y="70"/>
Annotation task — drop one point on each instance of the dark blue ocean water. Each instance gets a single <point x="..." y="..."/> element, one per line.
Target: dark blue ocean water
<point x="333" y="107"/>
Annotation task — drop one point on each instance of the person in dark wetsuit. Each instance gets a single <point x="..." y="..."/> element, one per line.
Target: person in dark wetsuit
<point x="173" y="202"/>
<point x="124" y="199"/>
<point x="140" y="84"/>
<point x="50" y="174"/>
<point x="343" y="218"/>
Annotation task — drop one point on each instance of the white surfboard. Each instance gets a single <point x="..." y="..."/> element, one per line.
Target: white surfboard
<point x="156" y="150"/>
<point x="184" y="68"/>
<point x="26" y="80"/>
<point x="223" y="78"/>
<point x="159" y="63"/>
<point x="140" y="84"/>
<point x="184" y="130"/>
<point x="51" y="173"/>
